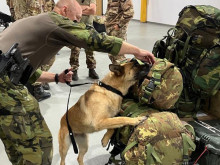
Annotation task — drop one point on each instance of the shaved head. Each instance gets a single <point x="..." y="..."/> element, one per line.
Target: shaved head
<point x="69" y="8"/>
<point x="62" y="3"/>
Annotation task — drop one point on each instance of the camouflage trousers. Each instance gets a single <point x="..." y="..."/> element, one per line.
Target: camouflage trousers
<point x="45" y="68"/>
<point x="74" y="58"/>
<point x="23" y="131"/>
<point x="121" y="33"/>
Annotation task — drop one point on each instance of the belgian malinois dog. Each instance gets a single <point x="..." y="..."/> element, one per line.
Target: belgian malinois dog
<point x="97" y="108"/>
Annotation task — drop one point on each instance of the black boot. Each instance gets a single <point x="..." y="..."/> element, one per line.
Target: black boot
<point x="40" y="94"/>
<point x="93" y="74"/>
<point x="75" y="75"/>
<point x="46" y="86"/>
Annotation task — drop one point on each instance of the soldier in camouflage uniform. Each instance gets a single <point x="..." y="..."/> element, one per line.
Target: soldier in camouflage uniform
<point x="23" y="131"/>
<point x="88" y="9"/>
<point x="47" y="6"/>
<point x="22" y="9"/>
<point x="118" y="15"/>
<point x="39" y="93"/>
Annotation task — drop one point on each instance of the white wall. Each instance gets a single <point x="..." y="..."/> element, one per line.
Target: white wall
<point x="165" y="11"/>
<point x="3" y="7"/>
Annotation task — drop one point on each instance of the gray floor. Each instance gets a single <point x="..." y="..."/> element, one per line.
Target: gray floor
<point x="142" y="35"/>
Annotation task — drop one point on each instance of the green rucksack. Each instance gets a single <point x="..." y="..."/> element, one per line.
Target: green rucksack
<point x="161" y="139"/>
<point x="194" y="47"/>
<point x="161" y="87"/>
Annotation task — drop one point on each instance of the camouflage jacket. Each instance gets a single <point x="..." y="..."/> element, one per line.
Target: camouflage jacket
<point x="48" y="5"/>
<point x="41" y="37"/>
<point x="26" y="8"/>
<point x="119" y="12"/>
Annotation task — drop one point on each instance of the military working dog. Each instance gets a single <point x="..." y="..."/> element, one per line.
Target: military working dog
<point x="97" y="108"/>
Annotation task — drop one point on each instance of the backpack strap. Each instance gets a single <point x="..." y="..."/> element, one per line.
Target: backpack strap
<point x="183" y="54"/>
<point x="132" y="110"/>
<point x="128" y="147"/>
<point x="188" y="144"/>
<point x="154" y="81"/>
<point x="152" y="155"/>
<point x="171" y="49"/>
<point x="216" y="88"/>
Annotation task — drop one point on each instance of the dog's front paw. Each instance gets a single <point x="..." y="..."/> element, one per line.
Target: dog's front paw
<point x="140" y="119"/>
<point x="105" y="141"/>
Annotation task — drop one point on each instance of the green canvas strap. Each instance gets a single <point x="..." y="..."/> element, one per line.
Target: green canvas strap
<point x="147" y="90"/>
<point x="188" y="144"/>
<point x="190" y="129"/>
<point x="133" y="110"/>
<point x="176" y="60"/>
<point x="157" y="76"/>
<point x="183" y="54"/>
<point x="152" y="155"/>
<point x="130" y="110"/>
<point x="128" y="147"/>
<point x="170" y="49"/>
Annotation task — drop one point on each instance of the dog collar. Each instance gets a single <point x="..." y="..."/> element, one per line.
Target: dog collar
<point x="108" y="87"/>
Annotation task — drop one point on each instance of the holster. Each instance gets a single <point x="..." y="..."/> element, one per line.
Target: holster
<point x="15" y="66"/>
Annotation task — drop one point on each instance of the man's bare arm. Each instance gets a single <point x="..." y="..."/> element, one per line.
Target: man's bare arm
<point x="140" y="54"/>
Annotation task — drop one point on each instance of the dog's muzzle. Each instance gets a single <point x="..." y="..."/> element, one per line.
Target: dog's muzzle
<point x="144" y="71"/>
<point x="143" y="68"/>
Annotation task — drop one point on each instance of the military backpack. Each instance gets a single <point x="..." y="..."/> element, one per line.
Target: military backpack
<point x="161" y="86"/>
<point x="161" y="139"/>
<point x="193" y="46"/>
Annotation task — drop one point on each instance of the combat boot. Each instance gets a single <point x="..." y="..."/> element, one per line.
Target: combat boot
<point x="75" y="75"/>
<point x="93" y="74"/>
<point x="46" y="86"/>
<point x="40" y="94"/>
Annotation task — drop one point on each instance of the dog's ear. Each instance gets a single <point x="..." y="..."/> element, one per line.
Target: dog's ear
<point x="117" y="69"/>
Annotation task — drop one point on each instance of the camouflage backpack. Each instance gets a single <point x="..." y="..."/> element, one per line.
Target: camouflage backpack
<point x="194" y="47"/>
<point x="162" y="86"/>
<point x="161" y="139"/>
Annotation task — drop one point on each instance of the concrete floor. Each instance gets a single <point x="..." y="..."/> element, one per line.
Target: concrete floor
<point x="142" y="35"/>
